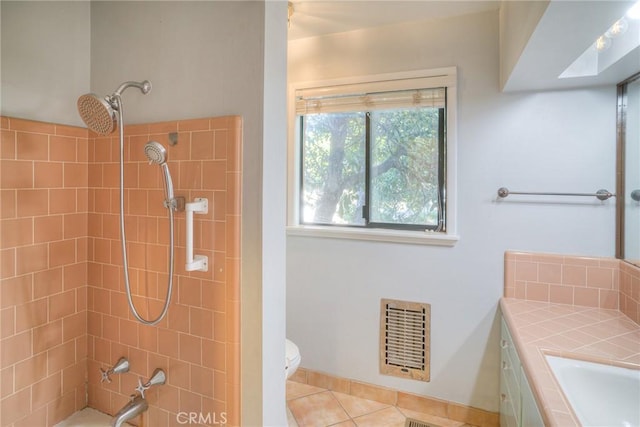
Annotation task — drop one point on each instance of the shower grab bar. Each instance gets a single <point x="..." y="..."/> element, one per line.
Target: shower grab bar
<point x="600" y="194"/>
<point x="195" y="262"/>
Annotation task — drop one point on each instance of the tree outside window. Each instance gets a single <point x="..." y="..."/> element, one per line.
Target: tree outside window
<point x="377" y="167"/>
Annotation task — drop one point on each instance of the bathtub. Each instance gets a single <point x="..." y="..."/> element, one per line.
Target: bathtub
<point x="88" y="417"/>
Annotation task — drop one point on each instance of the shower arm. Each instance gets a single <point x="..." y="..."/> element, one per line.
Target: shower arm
<point x="144" y="86"/>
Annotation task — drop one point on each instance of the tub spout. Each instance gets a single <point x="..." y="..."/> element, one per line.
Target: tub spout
<point x="135" y="407"/>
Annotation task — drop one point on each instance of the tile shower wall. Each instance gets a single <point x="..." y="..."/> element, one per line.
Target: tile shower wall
<point x="60" y="257"/>
<point x="577" y="280"/>
<point x="197" y="344"/>
<point x="43" y="271"/>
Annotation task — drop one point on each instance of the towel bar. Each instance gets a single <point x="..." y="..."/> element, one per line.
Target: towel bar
<point x="600" y="194"/>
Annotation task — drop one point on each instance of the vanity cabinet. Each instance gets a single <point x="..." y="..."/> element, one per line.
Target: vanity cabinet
<point x="530" y="413"/>
<point x="517" y="405"/>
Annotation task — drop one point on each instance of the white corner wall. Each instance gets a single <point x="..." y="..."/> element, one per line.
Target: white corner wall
<point x="544" y="141"/>
<point x="45" y="59"/>
<point x="274" y="205"/>
<point x="203" y="58"/>
<point x="518" y="20"/>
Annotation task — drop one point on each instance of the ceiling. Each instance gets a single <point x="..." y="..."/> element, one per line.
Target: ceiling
<point x="560" y="36"/>
<point x="312" y="18"/>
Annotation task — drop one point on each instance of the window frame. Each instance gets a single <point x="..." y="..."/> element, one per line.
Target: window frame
<point x="441" y="77"/>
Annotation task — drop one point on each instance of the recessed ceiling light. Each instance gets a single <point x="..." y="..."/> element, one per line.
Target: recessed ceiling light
<point x="603" y="43"/>
<point x="606" y="51"/>
<point x="618" y="28"/>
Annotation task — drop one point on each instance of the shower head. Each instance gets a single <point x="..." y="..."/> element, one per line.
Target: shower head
<point x="97" y="114"/>
<point x="155" y="152"/>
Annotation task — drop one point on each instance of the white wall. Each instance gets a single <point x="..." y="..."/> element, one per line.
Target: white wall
<point x="547" y="141"/>
<point x="45" y="59"/>
<point x="203" y="58"/>
<point x="274" y="208"/>
<point x="518" y="20"/>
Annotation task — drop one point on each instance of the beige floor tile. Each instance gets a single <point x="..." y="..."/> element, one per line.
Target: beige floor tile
<point x="296" y="390"/>
<point x="314" y="406"/>
<point x="319" y="410"/>
<point x="389" y="417"/>
<point x="357" y="406"/>
<point x="291" y="420"/>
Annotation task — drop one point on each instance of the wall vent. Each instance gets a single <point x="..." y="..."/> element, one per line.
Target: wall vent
<point x="404" y="339"/>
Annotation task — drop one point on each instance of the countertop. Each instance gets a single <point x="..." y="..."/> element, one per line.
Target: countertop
<point x="586" y="333"/>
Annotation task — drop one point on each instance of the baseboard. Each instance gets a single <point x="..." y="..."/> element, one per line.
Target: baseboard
<point x="427" y="405"/>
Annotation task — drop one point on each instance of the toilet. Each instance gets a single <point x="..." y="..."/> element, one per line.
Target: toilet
<point x="292" y="359"/>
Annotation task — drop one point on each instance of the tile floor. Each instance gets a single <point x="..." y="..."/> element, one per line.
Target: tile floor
<point x="314" y="406"/>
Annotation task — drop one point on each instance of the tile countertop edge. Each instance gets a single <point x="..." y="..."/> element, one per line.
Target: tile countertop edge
<point x="554" y="411"/>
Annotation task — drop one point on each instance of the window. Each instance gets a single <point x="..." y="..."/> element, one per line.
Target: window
<point x="373" y="154"/>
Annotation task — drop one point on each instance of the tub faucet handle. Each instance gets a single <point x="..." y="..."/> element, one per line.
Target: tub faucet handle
<point x="121" y="366"/>
<point x="105" y="376"/>
<point x="157" y="378"/>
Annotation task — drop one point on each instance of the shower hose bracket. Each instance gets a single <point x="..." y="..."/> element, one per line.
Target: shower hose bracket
<point x="177" y="204"/>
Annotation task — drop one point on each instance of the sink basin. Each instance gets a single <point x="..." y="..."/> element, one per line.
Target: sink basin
<point x="600" y="395"/>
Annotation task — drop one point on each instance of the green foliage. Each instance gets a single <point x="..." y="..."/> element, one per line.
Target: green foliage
<point x="403" y="170"/>
<point x="405" y="191"/>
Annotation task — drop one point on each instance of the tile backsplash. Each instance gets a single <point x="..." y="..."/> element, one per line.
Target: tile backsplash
<point x="576" y="280"/>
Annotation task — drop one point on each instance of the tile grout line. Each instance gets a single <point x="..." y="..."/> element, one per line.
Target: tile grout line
<point x="361" y="415"/>
<point x="341" y="406"/>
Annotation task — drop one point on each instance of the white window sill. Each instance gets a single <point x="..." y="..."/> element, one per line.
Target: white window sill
<point x="376" y="235"/>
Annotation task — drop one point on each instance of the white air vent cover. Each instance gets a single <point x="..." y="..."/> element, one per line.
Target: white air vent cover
<point x="404" y="339"/>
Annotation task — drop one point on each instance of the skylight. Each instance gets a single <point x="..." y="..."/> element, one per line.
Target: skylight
<point x="621" y="38"/>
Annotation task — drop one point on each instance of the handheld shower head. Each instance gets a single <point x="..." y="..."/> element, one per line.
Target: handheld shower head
<point x="97" y="114"/>
<point x="157" y="154"/>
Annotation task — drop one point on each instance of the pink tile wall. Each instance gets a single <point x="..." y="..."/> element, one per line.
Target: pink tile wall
<point x="197" y="344"/>
<point x="43" y="272"/>
<point x="630" y="291"/>
<point x="63" y="311"/>
<point x="584" y="281"/>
